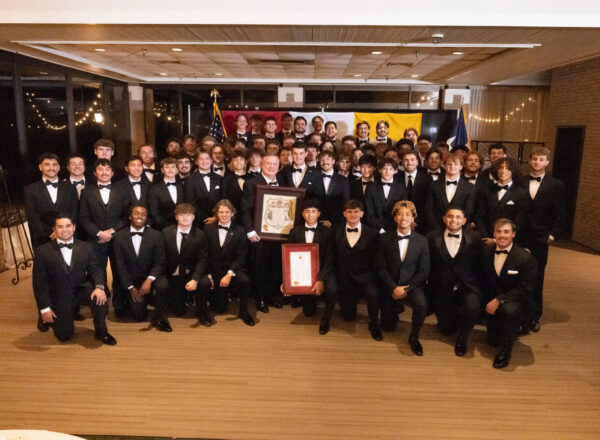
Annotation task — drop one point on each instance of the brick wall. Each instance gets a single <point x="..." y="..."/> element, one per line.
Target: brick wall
<point x="575" y="100"/>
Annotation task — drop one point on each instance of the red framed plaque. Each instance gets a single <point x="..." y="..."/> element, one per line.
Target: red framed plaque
<point x="276" y="209"/>
<point x="300" y="267"/>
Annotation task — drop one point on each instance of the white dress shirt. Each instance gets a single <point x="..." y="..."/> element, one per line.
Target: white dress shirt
<point x="452" y="243"/>
<point x="178" y="240"/>
<point x="451" y="189"/>
<point x="65" y="251"/>
<point x="172" y="189"/>
<point x="220" y="172"/>
<point x="52" y="191"/>
<point x="105" y="193"/>
<point x="223" y="233"/>
<point x="403" y="245"/>
<point x="503" y="191"/>
<point x="149" y="174"/>
<point x="434" y="176"/>
<point x="534" y="186"/>
<point x="297" y="177"/>
<point x="500" y="259"/>
<point x="206" y="181"/>
<point x="386" y="188"/>
<point x="353" y="237"/>
<point x="137" y="189"/>
<point x="136" y="240"/>
<point x="327" y="180"/>
<point x="309" y="236"/>
<point x="79" y="186"/>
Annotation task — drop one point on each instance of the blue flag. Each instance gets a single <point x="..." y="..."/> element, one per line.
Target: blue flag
<point x="217" y="128"/>
<point x="459" y="132"/>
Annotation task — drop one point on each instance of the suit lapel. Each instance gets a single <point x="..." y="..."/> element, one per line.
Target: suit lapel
<point x="96" y="194"/>
<point x="46" y="194"/>
<point x="75" y="255"/>
<point x="60" y="257"/>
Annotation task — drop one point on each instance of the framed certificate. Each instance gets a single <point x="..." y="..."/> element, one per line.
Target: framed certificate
<point x="300" y="267"/>
<point x="276" y="209"/>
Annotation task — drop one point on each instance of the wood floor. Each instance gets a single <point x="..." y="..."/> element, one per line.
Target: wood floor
<point x="282" y="380"/>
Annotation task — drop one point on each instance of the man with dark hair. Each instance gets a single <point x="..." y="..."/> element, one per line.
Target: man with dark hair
<point x="411" y="134"/>
<point x="173" y="148"/>
<point x="317" y="125"/>
<point x="355" y="245"/>
<point x="256" y="123"/>
<point x="359" y="185"/>
<point x="76" y="169"/>
<point x="227" y="257"/>
<point x="135" y="186"/>
<point x="45" y="198"/>
<point x="141" y="258"/>
<point x="547" y="220"/>
<point x="495" y="152"/>
<point x="204" y="189"/>
<point x="147" y="154"/>
<point x="104" y="149"/>
<point x="348" y="146"/>
<point x="331" y="190"/>
<point x="510" y="274"/>
<point x="472" y="169"/>
<point x="298" y="174"/>
<point x="314" y="231"/>
<point x="433" y="164"/>
<point x="233" y="183"/>
<point x="300" y="128"/>
<point x="331" y="132"/>
<point x="402" y="262"/>
<point x="66" y="274"/>
<point x="164" y="195"/>
<point x="259" y="141"/>
<point x="381" y="197"/>
<point x="383" y="128"/>
<point x="270" y="126"/>
<point x="184" y="167"/>
<point x="254" y="162"/>
<point x="241" y="128"/>
<point x="416" y="183"/>
<point x="286" y="126"/>
<point x="455" y="254"/>
<point x="219" y="161"/>
<point x="312" y="154"/>
<point x="423" y="146"/>
<point x="355" y="156"/>
<point x="186" y="250"/>
<point x="362" y="134"/>
<point x="190" y="146"/>
<point x="404" y="144"/>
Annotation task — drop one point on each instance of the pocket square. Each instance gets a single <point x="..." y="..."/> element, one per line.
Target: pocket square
<point x="512" y="272"/>
<point x="510" y="202"/>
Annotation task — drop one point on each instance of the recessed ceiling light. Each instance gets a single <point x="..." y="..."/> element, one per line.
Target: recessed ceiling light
<point x="163" y="74"/>
<point x="99" y="49"/>
<point x="414" y="76"/>
<point x="458" y="53"/>
<point x="43" y="73"/>
<point x="358" y="75"/>
<point x="218" y="74"/>
<point x="376" y="52"/>
<point x="177" y="49"/>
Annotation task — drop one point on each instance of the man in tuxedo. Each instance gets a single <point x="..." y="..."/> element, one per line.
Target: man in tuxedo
<point x="233" y="183"/>
<point x="505" y="199"/>
<point x="184" y="168"/>
<point x="402" y="262"/>
<point x="45" y="198"/>
<point x="164" y="195"/>
<point x="298" y="174"/>
<point x="254" y="163"/>
<point x="314" y="231"/>
<point x="190" y="144"/>
<point x="411" y="134"/>
<point x="416" y="182"/>
<point x="148" y="156"/>
<point x="270" y="127"/>
<point x="312" y="153"/>
<point x="423" y="146"/>
<point x="226" y="272"/>
<point x="134" y="185"/>
<point x="362" y="134"/>
<point x="510" y="274"/>
<point x="547" y="220"/>
<point x="455" y="255"/>
<point x="450" y="191"/>
<point x="331" y="189"/>
<point x="140" y="255"/>
<point x="433" y="163"/>
<point x="495" y="152"/>
<point x="383" y="128"/>
<point x="104" y="149"/>
<point x="256" y="123"/>
<point x="381" y="196"/>
<point x="359" y="185"/>
<point x="265" y="255"/>
<point x="173" y="148"/>
<point x="204" y="189"/>
<point x="66" y="274"/>
<point x="186" y="249"/>
<point x="286" y="126"/>
<point x="219" y="165"/>
<point x="76" y="169"/>
<point x="355" y="245"/>
<point x="331" y="132"/>
<point x="472" y="169"/>
<point x="101" y="214"/>
<point x="241" y="127"/>
<point x="299" y="128"/>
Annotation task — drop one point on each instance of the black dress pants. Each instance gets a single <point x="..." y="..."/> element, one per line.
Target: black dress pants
<point x="389" y="310"/>
<point x="158" y="296"/>
<point x="504" y="326"/>
<point x="218" y="297"/>
<point x="457" y="310"/>
<point x="65" y="307"/>
<point x="309" y="302"/>
<point x="350" y="292"/>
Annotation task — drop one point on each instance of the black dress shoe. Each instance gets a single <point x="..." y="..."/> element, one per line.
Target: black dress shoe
<point x="107" y="339"/>
<point x="296" y="302"/>
<point x="375" y="331"/>
<point x="277" y="303"/>
<point x="247" y="318"/>
<point x="534" y="326"/>
<point x="78" y="316"/>
<point x="204" y="319"/>
<point x="525" y="329"/>
<point x="42" y="326"/>
<point x="324" y="327"/>
<point x="503" y="357"/>
<point x="262" y="306"/>
<point x="163" y="325"/>
<point x="416" y="346"/>
<point x="460" y="346"/>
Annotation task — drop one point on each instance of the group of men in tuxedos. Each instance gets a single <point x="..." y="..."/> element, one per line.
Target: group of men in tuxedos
<point x="461" y="246"/>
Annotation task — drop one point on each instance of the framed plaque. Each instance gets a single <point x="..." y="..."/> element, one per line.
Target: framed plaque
<point x="300" y="267"/>
<point x="276" y="209"/>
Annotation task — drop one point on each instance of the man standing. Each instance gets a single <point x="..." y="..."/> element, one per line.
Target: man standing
<point x="164" y="195"/>
<point x="331" y="189"/>
<point x="383" y="128"/>
<point x="270" y="127"/>
<point x="300" y="128"/>
<point x="148" y="156"/>
<point x="104" y="149"/>
<point x="298" y="174"/>
<point x="66" y="274"/>
<point x="362" y="134"/>
<point x="204" y="189"/>
<point x="381" y="197"/>
<point x="331" y="132"/>
<point x="76" y="168"/>
<point x="416" y="183"/>
<point x="135" y="186"/>
<point x="423" y="146"/>
<point x="510" y="274"/>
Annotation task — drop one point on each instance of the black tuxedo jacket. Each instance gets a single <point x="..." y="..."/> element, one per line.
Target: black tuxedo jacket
<point x="308" y="181"/>
<point x="421" y="186"/>
<point x="232" y="256"/>
<point x="160" y="204"/>
<point x="394" y="272"/>
<point x="41" y="212"/>
<point x="464" y="268"/>
<point x="437" y="202"/>
<point x="547" y="212"/>
<point x="247" y="214"/>
<point x="157" y="174"/>
<point x="355" y="264"/>
<point x="517" y="278"/>
<point x="332" y="202"/>
<point x="226" y="170"/>
<point x="514" y="206"/>
<point x="94" y="216"/>
<point x="55" y="282"/>
<point x="232" y="190"/>
<point x="442" y="174"/>
<point x="203" y="200"/>
<point x="378" y="209"/>
<point x="323" y="236"/>
<point x="125" y="186"/>
<point x="151" y="260"/>
<point x="356" y="188"/>
<point x="193" y="256"/>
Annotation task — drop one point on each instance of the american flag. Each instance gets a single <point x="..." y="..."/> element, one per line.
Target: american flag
<point x="217" y="128"/>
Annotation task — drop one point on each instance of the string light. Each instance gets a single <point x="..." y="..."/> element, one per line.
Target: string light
<point x="92" y="111"/>
<point x="507" y="116"/>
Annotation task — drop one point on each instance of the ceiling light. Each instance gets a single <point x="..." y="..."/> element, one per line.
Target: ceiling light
<point x="163" y="74"/>
<point x="376" y="52"/>
<point x="218" y="74"/>
<point x="414" y="76"/>
<point x="46" y="73"/>
<point x="99" y="49"/>
<point x="358" y="75"/>
<point x="458" y="53"/>
<point x="177" y="49"/>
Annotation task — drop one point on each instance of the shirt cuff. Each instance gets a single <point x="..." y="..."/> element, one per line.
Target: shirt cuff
<point x="130" y="287"/>
<point x="47" y="309"/>
<point x="151" y="278"/>
<point x="231" y="273"/>
<point x="251" y="234"/>
<point x="551" y="237"/>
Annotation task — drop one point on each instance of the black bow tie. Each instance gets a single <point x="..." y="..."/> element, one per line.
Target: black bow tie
<point x="382" y="139"/>
<point x="136" y="183"/>
<point x="453" y="235"/>
<point x="170" y="183"/>
<point x="54" y="184"/>
<point x="100" y="186"/>
<point x="326" y="176"/>
<point x="224" y="227"/>
<point x="67" y="245"/>
<point x="469" y="178"/>
<point x="184" y="235"/>
<point x="451" y="182"/>
<point x="150" y="170"/>
<point x="310" y="229"/>
<point x="297" y="170"/>
<point x="365" y="183"/>
<point x="254" y="173"/>
<point x="351" y="229"/>
<point x="78" y="182"/>
<point x="204" y="174"/>
<point x="539" y="179"/>
<point x="403" y="237"/>
<point x="242" y="136"/>
<point x="501" y="187"/>
<point x="501" y="252"/>
<point x="386" y="183"/>
<point x="136" y="233"/>
<point x="435" y="173"/>
<point x="217" y="168"/>
<point x="274" y="183"/>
